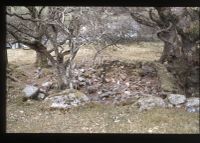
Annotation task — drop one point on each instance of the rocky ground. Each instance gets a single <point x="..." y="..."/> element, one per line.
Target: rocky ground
<point x="117" y="96"/>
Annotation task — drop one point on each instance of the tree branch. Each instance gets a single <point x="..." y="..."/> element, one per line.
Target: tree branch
<point x="40" y="12"/>
<point x="22" y="18"/>
<point x="142" y="20"/>
<point x="21" y="31"/>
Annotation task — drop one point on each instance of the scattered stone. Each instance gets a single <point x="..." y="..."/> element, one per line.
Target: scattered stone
<point x="41" y="96"/>
<point x="192" y="104"/>
<point x="81" y="79"/>
<point x="193" y="109"/>
<point x="149" y="102"/>
<point x="123" y="77"/>
<point x="82" y="83"/>
<point x="60" y="105"/>
<point x="42" y="90"/>
<point x="104" y="90"/>
<point x="127" y="92"/>
<point x="47" y="84"/>
<point x="169" y="105"/>
<point x="38" y="72"/>
<point x="113" y="80"/>
<point x="82" y="70"/>
<point x="193" y="101"/>
<point x="148" y="70"/>
<point x="106" y="94"/>
<point x="127" y="84"/>
<point x="70" y="99"/>
<point x="176" y="99"/>
<point x="99" y="92"/>
<point x="92" y="69"/>
<point x="87" y="74"/>
<point x="107" y="80"/>
<point x="31" y="91"/>
<point x="21" y="111"/>
<point x="91" y="89"/>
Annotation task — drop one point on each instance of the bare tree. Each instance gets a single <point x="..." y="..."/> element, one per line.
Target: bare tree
<point x="49" y="23"/>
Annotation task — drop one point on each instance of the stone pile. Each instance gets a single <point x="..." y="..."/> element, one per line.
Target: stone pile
<point x="172" y="100"/>
<point x="115" y="82"/>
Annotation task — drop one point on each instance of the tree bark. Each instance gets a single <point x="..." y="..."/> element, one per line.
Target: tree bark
<point x="41" y="60"/>
<point x="165" y="52"/>
<point x="61" y="76"/>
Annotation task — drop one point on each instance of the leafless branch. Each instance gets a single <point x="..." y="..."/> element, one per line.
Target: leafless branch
<point x="22" y="18"/>
<point x="21" y="31"/>
<point x="40" y="11"/>
<point x="142" y="20"/>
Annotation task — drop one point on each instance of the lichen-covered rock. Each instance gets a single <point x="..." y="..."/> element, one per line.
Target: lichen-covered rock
<point x="176" y="99"/>
<point x="149" y="102"/>
<point x="69" y="99"/>
<point x="193" y="109"/>
<point x="193" y="101"/>
<point x="30" y="91"/>
<point x="192" y="104"/>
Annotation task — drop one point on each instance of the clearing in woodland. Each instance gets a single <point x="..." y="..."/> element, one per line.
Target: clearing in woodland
<point x="104" y="114"/>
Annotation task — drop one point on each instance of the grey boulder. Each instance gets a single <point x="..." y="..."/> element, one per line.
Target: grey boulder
<point x="193" y="101"/>
<point x="150" y="102"/>
<point x="176" y="99"/>
<point x="193" y="109"/>
<point x="68" y="100"/>
<point x="192" y="104"/>
<point x="31" y="91"/>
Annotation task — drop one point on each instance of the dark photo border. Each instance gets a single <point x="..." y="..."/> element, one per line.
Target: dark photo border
<point x="57" y="137"/>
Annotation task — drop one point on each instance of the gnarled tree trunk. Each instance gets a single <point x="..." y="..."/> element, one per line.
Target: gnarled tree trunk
<point x="180" y="34"/>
